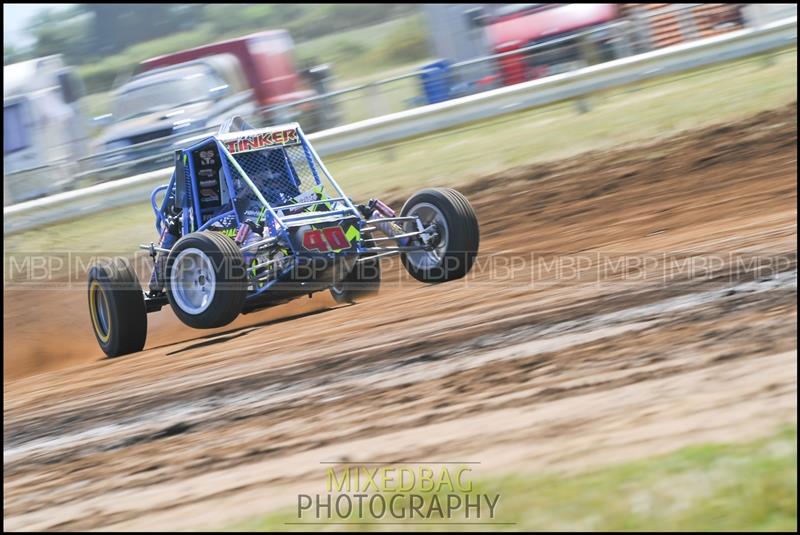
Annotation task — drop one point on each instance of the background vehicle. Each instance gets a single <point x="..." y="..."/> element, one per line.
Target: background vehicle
<point x="267" y="60"/>
<point x="537" y="40"/>
<point x="188" y="94"/>
<point x="252" y="218"/>
<point x="557" y="28"/>
<point x="154" y="110"/>
<point x="43" y="125"/>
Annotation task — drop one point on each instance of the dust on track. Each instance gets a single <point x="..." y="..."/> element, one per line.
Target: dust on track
<point x="518" y="368"/>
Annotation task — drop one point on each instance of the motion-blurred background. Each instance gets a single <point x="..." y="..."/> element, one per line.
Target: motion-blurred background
<point x="95" y="92"/>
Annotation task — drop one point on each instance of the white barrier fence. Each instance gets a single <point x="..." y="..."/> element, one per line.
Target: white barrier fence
<point x="390" y="128"/>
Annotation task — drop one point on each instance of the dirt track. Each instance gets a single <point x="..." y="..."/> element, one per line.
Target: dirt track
<point x="523" y="366"/>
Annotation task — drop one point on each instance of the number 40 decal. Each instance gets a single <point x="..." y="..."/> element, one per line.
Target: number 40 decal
<point x="327" y="239"/>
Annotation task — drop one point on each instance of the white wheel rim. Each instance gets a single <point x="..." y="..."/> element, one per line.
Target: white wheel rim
<point x="193" y="281"/>
<point x="428" y="214"/>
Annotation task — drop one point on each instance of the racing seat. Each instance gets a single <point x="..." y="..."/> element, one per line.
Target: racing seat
<point x="270" y="172"/>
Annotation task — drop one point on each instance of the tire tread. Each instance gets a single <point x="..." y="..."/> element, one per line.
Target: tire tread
<point x="464" y="232"/>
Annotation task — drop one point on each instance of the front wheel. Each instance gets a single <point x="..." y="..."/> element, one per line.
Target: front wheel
<point x="116" y="308"/>
<point x="451" y="253"/>
<point x="206" y="280"/>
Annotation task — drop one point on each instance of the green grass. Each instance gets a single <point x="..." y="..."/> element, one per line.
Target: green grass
<point x="355" y="54"/>
<point x="711" y="487"/>
<point x="95" y="105"/>
<point x="622" y="116"/>
<point x="370" y="54"/>
<point x="375" y="101"/>
<point x="451" y="157"/>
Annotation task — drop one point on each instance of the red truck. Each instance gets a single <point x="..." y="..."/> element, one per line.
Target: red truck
<point x="556" y="29"/>
<point x="553" y="26"/>
<point x="267" y="60"/>
<point x="175" y="98"/>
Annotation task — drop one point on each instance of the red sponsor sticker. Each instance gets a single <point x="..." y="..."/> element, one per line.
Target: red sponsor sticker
<point x="263" y="140"/>
<point x="327" y="239"/>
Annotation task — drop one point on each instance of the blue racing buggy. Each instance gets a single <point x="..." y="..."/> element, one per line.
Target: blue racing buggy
<point x="252" y="218"/>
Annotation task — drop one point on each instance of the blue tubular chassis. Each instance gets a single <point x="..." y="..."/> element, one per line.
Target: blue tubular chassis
<point x="252" y="218"/>
<point x="274" y="180"/>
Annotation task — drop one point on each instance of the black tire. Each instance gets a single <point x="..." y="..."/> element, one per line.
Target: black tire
<point x="224" y="302"/>
<point x="116" y="308"/>
<point x="462" y="240"/>
<point x="362" y="281"/>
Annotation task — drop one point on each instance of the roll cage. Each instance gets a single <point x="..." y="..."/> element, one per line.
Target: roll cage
<point x="265" y="175"/>
<point x="273" y="178"/>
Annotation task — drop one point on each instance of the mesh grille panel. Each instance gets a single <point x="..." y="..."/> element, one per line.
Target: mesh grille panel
<point x="283" y="175"/>
<point x="279" y="174"/>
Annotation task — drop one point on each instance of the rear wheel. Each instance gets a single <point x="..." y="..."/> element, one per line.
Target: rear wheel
<point x="455" y="245"/>
<point x="117" y="309"/>
<point x="206" y="280"/>
<point x="362" y="281"/>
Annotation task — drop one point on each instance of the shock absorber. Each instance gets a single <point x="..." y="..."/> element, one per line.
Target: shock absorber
<point x="377" y="210"/>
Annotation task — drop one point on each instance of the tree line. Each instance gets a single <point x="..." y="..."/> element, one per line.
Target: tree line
<point x="85" y="33"/>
